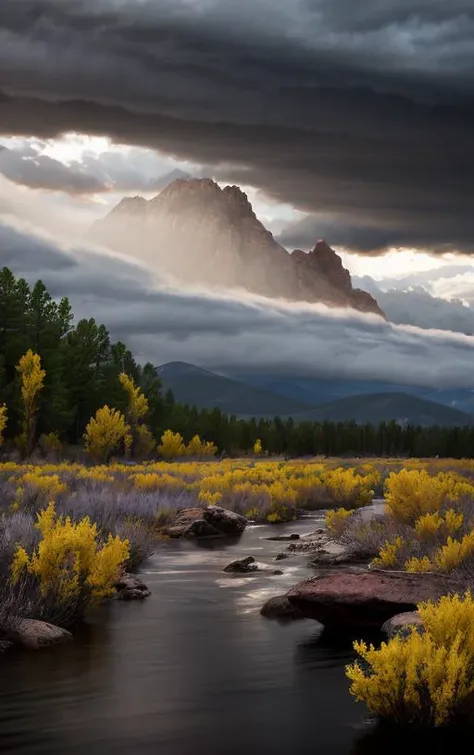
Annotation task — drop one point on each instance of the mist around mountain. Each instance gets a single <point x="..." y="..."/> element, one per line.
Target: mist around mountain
<point x="199" y="233"/>
<point x="408" y="303"/>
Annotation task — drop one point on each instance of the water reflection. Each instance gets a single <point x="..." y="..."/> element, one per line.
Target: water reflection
<point x="195" y="669"/>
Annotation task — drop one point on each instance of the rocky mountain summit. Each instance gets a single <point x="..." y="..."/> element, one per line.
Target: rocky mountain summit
<point x="200" y="233"/>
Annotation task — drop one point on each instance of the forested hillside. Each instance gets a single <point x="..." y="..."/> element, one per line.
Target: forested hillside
<point x="83" y="366"/>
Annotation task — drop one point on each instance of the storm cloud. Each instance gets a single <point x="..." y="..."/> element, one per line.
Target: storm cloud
<point x="363" y="113"/>
<point x="162" y="321"/>
<point x="28" y="167"/>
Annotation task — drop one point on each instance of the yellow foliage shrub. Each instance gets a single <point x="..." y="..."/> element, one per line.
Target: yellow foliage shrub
<point x="105" y="432"/>
<point x="171" y="446"/>
<point x="137" y="402"/>
<point x="69" y="563"/>
<point x="453" y="520"/>
<point x="336" y="521"/>
<point x="389" y="555"/>
<point x="208" y="498"/>
<point x="3" y="422"/>
<point x="423" y="679"/>
<point x="428" y="525"/>
<point x="454" y="553"/>
<point x="346" y="486"/>
<point x="415" y="565"/>
<point x="151" y="481"/>
<point x="198" y="447"/>
<point x="412" y="493"/>
<point x="258" y="447"/>
<point x="48" y="486"/>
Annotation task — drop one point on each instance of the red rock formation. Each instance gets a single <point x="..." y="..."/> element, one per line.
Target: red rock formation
<point x="348" y="600"/>
<point x="200" y="233"/>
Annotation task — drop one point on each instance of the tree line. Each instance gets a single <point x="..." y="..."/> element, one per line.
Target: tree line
<point x="84" y="371"/>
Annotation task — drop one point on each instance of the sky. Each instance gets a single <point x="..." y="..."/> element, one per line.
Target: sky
<point x="347" y="121"/>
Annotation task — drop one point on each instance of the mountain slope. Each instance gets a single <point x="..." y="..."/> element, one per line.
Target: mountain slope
<point x="324" y="390"/>
<point x="200" y="233"/>
<point x="383" y="407"/>
<point x="206" y="390"/>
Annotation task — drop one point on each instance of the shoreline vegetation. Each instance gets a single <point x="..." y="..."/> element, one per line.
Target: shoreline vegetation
<point x="98" y="469"/>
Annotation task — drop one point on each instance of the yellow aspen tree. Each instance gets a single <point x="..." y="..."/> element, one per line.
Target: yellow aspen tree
<point x="172" y="445"/>
<point x="105" y="432"/>
<point x="140" y="440"/>
<point x="198" y="447"/>
<point x="257" y="447"/>
<point x="32" y="381"/>
<point x="3" y="422"/>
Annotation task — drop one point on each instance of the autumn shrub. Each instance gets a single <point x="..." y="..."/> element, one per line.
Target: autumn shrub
<point x="70" y="569"/>
<point x="200" y="448"/>
<point x="412" y="493"/>
<point x="3" y="421"/>
<point x="171" y="446"/>
<point x="105" y="433"/>
<point x="423" y="679"/>
<point x="336" y="521"/>
<point x="349" y="488"/>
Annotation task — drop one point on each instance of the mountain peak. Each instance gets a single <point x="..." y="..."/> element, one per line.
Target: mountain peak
<point x="322" y="268"/>
<point x="200" y="233"/>
<point x="131" y="204"/>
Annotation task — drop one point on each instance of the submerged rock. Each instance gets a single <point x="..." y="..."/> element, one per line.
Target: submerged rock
<point x="34" y="634"/>
<point x="402" y="624"/>
<point x="283" y="538"/>
<point x="363" y="599"/>
<point x="304" y="546"/>
<point x="280" y="608"/>
<point x="242" y="566"/>
<point x="130" y="587"/>
<point x="211" y="521"/>
<point x="282" y="556"/>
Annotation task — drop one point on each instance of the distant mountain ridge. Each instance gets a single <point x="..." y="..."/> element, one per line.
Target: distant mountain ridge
<point x="200" y="233"/>
<point x="198" y="387"/>
<point x="384" y="407"/>
<point x="404" y="404"/>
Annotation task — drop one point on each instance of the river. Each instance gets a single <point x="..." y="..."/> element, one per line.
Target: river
<point x="194" y="669"/>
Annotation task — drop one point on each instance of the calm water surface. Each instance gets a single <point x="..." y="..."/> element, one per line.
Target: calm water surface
<point x="194" y="669"/>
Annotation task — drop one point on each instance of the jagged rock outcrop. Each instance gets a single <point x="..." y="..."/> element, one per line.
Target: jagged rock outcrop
<point x="321" y="270"/>
<point x="199" y="233"/>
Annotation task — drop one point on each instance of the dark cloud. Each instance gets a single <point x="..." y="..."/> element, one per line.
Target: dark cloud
<point x="164" y="322"/>
<point x="364" y="114"/>
<point x="26" y="166"/>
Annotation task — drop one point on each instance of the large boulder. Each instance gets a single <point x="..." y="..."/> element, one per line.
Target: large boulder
<point x="402" y="624"/>
<point x="225" y="521"/>
<point x="34" y="634"/>
<point x="365" y="599"/>
<point x="211" y="521"/>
